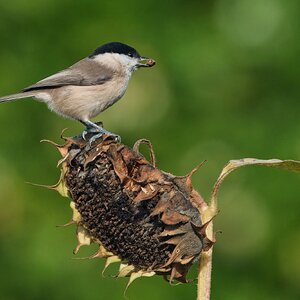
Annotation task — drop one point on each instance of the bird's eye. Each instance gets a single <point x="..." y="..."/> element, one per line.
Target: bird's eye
<point x="130" y="54"/>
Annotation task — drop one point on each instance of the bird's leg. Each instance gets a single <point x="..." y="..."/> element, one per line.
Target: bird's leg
<point x="91" y="128"/>
<point x="97" y="130"/>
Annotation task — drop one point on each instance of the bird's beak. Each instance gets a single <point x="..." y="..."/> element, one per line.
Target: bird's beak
<point x="146" y="62"/>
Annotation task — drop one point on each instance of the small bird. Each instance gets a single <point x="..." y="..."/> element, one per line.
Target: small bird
<point x="88" y="87"/>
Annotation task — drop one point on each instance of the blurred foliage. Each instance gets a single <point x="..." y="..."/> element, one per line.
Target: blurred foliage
<point x="226" y="86"/>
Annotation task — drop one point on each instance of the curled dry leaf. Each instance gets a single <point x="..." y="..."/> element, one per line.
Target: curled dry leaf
<point x="290" y="165"/>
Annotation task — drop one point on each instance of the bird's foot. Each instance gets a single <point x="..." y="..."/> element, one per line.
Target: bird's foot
<point x="95" y="131"/>
<point x="99" y="135"/>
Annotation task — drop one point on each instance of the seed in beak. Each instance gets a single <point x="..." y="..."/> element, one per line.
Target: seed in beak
<point x="150" y="62"/>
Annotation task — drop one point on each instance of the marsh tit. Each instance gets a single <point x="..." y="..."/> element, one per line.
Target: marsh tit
<point x="90" y="86"/>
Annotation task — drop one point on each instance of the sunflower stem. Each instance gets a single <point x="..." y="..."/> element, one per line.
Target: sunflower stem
<point x="205" y="269"/>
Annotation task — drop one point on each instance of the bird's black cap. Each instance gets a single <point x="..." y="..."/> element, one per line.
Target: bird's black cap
<point x="116" y="47"/>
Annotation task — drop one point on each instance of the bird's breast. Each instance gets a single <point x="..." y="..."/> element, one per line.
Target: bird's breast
<point x="85" y="102"/>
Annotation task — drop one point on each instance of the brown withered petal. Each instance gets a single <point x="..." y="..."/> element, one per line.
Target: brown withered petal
<point x="140" y="216"/>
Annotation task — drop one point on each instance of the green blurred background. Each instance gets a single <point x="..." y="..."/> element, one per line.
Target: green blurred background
<point x="226" y="86"/>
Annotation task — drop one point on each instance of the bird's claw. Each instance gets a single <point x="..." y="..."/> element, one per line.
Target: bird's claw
<point x="84" y="133"/>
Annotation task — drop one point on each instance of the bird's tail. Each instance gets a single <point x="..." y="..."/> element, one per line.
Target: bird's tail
<point x="18" y="96"/>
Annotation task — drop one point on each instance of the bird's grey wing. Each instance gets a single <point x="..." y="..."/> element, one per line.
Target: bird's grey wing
<point x="84" y="73"/>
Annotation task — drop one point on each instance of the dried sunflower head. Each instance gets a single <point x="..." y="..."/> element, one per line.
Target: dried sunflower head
<point x="140" y="216"/>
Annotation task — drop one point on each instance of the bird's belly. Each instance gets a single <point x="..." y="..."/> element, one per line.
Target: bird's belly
<point x="85" y="102"/>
